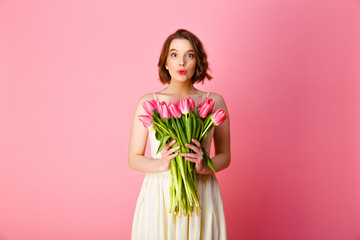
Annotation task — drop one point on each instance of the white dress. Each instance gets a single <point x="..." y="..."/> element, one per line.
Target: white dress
<point x="152" y="219"/>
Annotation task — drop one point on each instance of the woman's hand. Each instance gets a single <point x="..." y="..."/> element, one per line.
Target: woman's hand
<point x="167" y="154"/>
<point x="197" y="157"/>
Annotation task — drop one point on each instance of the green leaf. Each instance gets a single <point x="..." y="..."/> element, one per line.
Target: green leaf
<point x="158" y="135"/>
<point x="208" y="160"/>
<point x="194" y="126"/>
<point x="177" y="134"/>
<point x="181" y="132"/>
<point x="161" y="127"/>
<point x="196" y="112"/>
<point x="162" y="143"/>
<point x="183" y="117"/>
<point x="188" y="127"/>
<point x="206" y="122"/>
<point x="199" y="127"/>
<point x="204" y="137"/>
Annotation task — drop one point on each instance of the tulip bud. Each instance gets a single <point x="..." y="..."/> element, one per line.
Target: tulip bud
<point x="203" y="110"/>
<point x="149" y="106"/>
<point x="164" y="111"/>
<point x="146" y="121"/>
<point x="218" y="117"/>
<point x="184" y="106"/>
<point x="191" y="103"/>
<point x="174" y="110"/>
<point x="156" y="104"/>
<point x="206" y="107"/>
<point x="209" y="102"/>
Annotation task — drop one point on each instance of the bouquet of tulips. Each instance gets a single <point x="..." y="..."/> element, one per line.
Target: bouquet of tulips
<point x="182" y="120"/>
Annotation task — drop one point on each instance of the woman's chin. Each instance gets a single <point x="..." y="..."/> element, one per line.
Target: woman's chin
<point x="181" y="79"/>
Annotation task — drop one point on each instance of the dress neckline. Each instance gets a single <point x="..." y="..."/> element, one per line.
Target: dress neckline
<point x="207" y="96"/>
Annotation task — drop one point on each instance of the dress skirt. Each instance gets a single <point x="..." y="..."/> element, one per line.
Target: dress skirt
<point x="152" y="219"/>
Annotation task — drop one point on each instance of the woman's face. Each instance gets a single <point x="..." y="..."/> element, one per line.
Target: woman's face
<point x="181" y="62"/>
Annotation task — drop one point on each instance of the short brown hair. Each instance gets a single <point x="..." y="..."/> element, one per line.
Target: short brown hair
<point x="202" y="65"/>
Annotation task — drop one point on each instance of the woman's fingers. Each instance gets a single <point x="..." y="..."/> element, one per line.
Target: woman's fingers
<point x="197" y="143"/>
<point x="166" y="153"/>
<point x="190" y="155"/>
<point x="196" y="157"/>
<point x="195" y="160"/>
<point x="196" y="148"/>
<point x="169" y="153"/>
<point x="173" y="149"/>
<point x="173" y="155"/>
<point x="193" y="157"/>
<point x="169" y="144"/>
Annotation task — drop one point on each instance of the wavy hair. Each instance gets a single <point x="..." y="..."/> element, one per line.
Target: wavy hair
<point x="202" y="65"/>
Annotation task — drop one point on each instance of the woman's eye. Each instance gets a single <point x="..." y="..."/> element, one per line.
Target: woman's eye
<point x="173" y="54"/>
<point x="190" y="55"/>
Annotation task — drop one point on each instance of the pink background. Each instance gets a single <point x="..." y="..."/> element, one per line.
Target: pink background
<point x="72" y="72"/>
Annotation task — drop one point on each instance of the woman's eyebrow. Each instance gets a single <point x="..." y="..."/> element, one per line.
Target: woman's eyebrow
<point x="191" y="50"/>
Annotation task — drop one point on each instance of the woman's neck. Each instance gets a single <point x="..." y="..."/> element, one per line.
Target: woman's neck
<point x="180" y="89"/>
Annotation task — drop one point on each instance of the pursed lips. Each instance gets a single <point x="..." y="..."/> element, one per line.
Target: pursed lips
<point x="181" y="71"/>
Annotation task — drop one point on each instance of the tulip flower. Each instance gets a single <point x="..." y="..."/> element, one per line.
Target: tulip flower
<point x="184" y="106"/>
<point x="209" y="102"/>
<point x="149" y="106"/>
<point x="203" y="110"/>
<point x="164" y="111"/>
<point x="206" y="107"/>
<point x="174" y="110"/>
<point x="218" y="117"/>
<point x="191" y="103"/>
<point x="146" y="121"/>
<point x="156" y="104"/>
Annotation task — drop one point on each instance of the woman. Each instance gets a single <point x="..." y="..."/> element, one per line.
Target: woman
<point x="182" y="63"/>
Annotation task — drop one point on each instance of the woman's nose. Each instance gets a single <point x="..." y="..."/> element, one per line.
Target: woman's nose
<point x="182" y="62"/>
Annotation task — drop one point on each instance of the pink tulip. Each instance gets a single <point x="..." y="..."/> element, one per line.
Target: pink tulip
<point x="203" y="110"/>
<point x="206" y="107"/>
<point x="178" y="104"/>
<point x="174" y="110"/>
<point x="156" y="104"/>
<point x="149" y="106"/>
<point x="191" y="103"/>
<point x="218" y="117"/>
<point x="146" y="121"/>
<point x="210" y="102"/>
<point x="184" y="106"/>
<point x="164" y="111"/>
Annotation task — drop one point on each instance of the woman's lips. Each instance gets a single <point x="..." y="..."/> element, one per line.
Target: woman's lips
<point x="181" y="71"/>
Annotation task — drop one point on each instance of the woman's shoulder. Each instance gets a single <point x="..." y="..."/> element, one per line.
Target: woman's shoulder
<point x="139" y="106"/>
<point x="147" y="96"/>
<point x="216" y="97"/>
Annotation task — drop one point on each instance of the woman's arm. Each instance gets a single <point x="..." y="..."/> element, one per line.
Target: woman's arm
<point x="222" y="157"/>
<point x="138" y="138"/>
